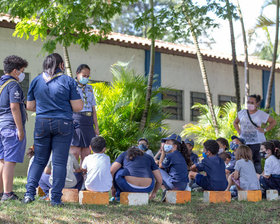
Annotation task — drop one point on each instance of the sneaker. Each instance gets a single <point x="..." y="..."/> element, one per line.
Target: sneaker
<point x="9" y="197"/>
<point x="163" y="197"/>
<point x="114" y="199"/>
<point x="27" y="200"/>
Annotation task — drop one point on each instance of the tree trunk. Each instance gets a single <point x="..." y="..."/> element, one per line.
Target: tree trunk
<point x="246" y="61"/>
<point x="67" y="62"/>
<point x="234" y="61"/>
<point x="151" y="75"/>
<point x="205" y="79"/>
<point x="272" y="71"/>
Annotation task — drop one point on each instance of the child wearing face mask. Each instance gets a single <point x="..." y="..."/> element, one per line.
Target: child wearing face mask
<point x="173" y="163"/>
<point x="223" y="145"/>
<point x="143" y="144"/>
<point x="213" y="165"/>
<point x="270" y="178"/>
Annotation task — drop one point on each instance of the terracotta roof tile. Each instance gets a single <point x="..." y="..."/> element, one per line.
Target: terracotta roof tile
<point x="165" y="47"/>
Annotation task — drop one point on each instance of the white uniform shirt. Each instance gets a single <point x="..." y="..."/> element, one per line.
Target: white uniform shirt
<point x="248" y="131"/>
<point x="272" y="166"/>
<point x="99" y="177"/>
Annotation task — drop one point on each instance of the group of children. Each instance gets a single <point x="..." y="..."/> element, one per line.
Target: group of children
<point x="221" y="168"/>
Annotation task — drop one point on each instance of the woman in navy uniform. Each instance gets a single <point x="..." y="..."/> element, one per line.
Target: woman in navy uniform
<point x="54" y="97"/>
<point x="86" y="118"/>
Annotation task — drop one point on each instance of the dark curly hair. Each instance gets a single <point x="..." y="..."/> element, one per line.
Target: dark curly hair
<point x="257" y="97"/>
<point x="212" y="146"/>
<point x="97" y="144"/>
<point x="133" y="152"/>
<point x="14" y="62"/>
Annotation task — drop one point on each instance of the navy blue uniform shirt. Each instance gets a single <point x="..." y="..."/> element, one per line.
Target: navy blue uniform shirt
<point x="215" y="169"/>
<point x="53" y="97"/>
<point x="175" y="165"/>
<point x="12" y="93"/>
<point x="194" y="158"/>
<point x="140" y="166"/>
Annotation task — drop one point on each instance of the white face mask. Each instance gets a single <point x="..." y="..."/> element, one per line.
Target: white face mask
<point x="251" y="106"/>
<point x="21" y="77"/>
<point x="221" y="150"/>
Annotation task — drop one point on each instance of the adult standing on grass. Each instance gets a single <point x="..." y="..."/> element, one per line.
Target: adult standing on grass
<point x="54" y="97"/>
<point x="86" y="118"/>
<point x="12" y="121"/>
<point x="248" y="124"/>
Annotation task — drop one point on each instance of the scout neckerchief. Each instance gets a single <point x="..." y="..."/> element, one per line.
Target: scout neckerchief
<point x="49" y="78"/>
<point x="6" y="83"/>
<point x="83" y="87"/>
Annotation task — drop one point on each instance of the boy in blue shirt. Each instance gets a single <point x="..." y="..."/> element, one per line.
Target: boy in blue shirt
<point x="12" y="121"/>
<point x="214" y="167"/>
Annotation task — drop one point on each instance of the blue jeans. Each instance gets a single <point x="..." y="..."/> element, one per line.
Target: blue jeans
<point x="44" y="182"/>
<point x="169" y="185"/>
<point x="121" y="184"/>
<point x="50" y="135"/>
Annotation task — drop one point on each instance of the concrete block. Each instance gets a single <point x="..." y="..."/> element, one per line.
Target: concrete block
<point x="131" y="198"/>
<point x="93" y="198"/>
<point x="70" y="195"/>
<point x="178" y="197"/>
<point x="253" y="196"/>
<point x="272" y="195"/>
<point x="216" y="196"/>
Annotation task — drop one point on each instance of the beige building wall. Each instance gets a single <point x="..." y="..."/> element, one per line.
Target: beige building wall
<point x="181" y="73"/>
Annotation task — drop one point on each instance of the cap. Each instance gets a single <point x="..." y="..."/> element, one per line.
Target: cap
<point x="189" y="141"/>
<point x="173" y="137"/>
<point x="240" y="139"/>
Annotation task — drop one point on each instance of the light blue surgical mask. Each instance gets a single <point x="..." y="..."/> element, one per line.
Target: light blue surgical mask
<point x="143" y="147"/>
<point x="167" y="148"/>
<point x="233" y="145"/>
<point x="83" y="80"/>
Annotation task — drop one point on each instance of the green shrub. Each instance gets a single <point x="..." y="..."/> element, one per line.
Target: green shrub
<point x="120" y="107"/>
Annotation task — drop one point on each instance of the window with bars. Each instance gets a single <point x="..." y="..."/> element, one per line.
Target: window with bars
<point x="225" y="99"/>
<point x="175" y="111"/>
<point x="24" y="84"/>
<point x="197" y="97"/>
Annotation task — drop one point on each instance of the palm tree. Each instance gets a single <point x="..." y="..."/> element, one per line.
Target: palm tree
<point x="246" y="61"/>
<point x="151" y="72"/>
<point x="204" y="78"/>
<point x="234" y="60"/>
<point x="67" y="62"/>
<point x="272" y="71"/>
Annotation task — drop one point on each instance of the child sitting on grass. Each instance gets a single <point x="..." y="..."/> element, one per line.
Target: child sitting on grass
<point x="244" y="176"/>
<point x="213" y="165"/>
<point x="270" y="179"/>
<point x="97" y="167"/>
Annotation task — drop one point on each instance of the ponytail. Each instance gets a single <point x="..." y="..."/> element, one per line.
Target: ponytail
<point x="51" y="63"/>
<point x="133" y="152"/>
<point x="182" y="148"/>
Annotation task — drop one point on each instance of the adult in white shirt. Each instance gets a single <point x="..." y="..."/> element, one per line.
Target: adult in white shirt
<point x="97" y="167"/>
<point x="248" y="124"/>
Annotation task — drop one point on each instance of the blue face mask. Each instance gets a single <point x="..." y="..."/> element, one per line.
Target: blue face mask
<point x="83" y="80"/>
<point x="167" y="148"/>
<point x="143" y="147"/>
<point x="204" y="155"/>
<point x="233" y="145"/>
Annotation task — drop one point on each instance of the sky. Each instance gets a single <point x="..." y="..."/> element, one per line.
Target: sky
<point x="251" y="9"/>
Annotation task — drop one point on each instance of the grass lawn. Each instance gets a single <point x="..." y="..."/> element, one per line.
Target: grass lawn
<point x="156" y="212"/>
